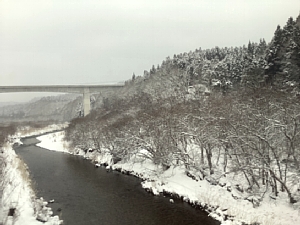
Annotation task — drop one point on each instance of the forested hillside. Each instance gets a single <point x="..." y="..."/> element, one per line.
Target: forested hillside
<point x="56" y="108"/>
<point x="223" y="113"/>
<point x="252" y="65"/>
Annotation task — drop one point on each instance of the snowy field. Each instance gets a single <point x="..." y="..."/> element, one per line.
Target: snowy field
<point x="215" y="199"/>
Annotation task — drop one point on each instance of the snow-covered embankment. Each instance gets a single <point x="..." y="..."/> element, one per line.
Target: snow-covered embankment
<point x="19" y="205"/>
<point x="223" y="205"/>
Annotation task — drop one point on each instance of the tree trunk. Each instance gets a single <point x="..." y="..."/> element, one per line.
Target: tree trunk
<point x="292" y="200"/>
<point x="208" y="156"/>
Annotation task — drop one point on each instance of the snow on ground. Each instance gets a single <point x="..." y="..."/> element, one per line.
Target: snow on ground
<point x="53" y="141"/>
<point x="174" y="180"/>
<point x="216" y="199"/>
<point x="29" y="131"/>
<point x="18" y="198"/>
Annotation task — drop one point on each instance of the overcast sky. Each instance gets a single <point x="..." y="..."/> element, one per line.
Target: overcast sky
<point x="95" y="42"/>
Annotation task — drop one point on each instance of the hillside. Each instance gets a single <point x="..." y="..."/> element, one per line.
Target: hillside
<point x="198" y="72"/>
<point x="57" y="108"/>
<point x="226" y="116"/>
<point x="253" y="65"/>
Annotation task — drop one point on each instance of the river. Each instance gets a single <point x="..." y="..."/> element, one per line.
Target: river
<point x="85" y="195"/>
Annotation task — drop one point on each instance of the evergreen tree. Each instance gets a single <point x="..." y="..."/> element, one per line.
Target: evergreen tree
<point x="152" y="70"/>
<point x="250" y="49"/>
<point x="272" y="67"/>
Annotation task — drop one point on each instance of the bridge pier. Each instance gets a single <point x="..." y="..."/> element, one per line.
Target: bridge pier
<point x="86" y="101"/>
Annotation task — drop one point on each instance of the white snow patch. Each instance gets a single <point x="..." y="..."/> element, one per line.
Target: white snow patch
<point x="53" y="142"/>
<point x="29" y="131"/>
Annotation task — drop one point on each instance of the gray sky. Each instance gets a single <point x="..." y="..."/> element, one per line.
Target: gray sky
<point x="95" y="42"/>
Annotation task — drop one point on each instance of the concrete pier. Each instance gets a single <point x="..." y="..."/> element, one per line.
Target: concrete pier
<point x="86" y="101"/>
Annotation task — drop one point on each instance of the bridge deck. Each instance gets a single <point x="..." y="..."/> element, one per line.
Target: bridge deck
<point x="59" y="88"/>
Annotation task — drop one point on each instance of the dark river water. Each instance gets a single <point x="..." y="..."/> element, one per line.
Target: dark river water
<point x="87" y="195"/>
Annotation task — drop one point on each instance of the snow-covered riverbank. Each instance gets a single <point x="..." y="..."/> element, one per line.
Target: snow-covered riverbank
<point x="225" y="204"/>
<point x="19" y="205"/>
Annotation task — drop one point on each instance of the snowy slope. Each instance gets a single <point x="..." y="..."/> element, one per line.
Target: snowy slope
<point x="215" y="199"/>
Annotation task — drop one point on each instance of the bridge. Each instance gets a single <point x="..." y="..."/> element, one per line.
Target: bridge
<point x="85" y="90"/>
